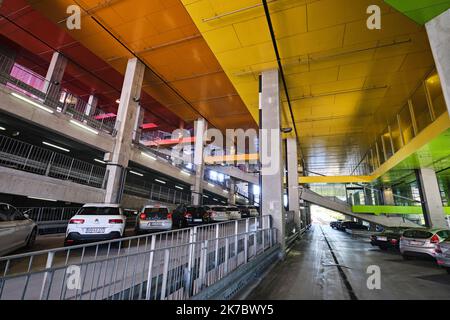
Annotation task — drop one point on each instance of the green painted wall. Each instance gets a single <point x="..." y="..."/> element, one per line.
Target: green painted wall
<point x="377" y="210"/>
<point x="420" y="11"/>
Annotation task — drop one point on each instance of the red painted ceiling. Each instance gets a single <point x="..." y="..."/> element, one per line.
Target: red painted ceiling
<point x="35" y="38"/>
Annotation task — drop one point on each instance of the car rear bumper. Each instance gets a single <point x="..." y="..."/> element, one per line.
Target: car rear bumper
<point x="85" y="238"/>
<point x="418" y="252"/>
<point x="443" y="261"/>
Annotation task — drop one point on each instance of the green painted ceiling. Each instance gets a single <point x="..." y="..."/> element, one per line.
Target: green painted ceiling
<point x="420" y="11"/>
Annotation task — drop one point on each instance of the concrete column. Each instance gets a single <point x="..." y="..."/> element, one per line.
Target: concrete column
<point x="232" y="193"/>
<point x="137" y="125"/>
<point x="197" y="190"/>
<point x="438" y="31"/>
<point x="91" y="106"/>
<point x="430" y="195"/>
<point x="54" y="77"/>
<point x="251" y="195"/>
<point x="303" y="213"/>
<point x="388" y="197"/>
<point x="126" y="118"/>
<point x="271" y="153"/>
<point x="292" y="179"/>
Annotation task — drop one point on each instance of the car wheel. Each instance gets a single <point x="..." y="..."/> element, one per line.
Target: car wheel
<point x="32" y="238"/>
<point x="384" y="248"/>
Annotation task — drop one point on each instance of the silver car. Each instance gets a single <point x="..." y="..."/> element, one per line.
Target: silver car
<point x="421" y="242"/>
<point x="16" y="229"/>
<point x="443" y="254"/>
<point x="234" y="213"/>
<point x="154" y="218"/>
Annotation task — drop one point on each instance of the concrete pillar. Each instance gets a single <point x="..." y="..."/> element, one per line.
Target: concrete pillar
<point x="54" y="77"/>
<point x="251" y="195"/>
<point x="292" y="179"/>
<point x="438" y="31"/>
<point x="137" y="125"/>
<point x="197" y="190"/>
<point x="91" y="105"/>
<point x="271" y="153"/>
<point x="232" y="193"/>
<point x="303" y="213"/>
<point x="388" y="196"/>
<point x="430" y="195"/>
<point x="126" y="118"/>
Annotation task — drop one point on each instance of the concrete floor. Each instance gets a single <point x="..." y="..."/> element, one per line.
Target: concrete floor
<point x="305" y="274"/>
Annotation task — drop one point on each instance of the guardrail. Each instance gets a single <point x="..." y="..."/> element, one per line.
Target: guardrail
<point x="168" y="265"/>
<point x="36" y="87"/>
<point x="23" y="156"/>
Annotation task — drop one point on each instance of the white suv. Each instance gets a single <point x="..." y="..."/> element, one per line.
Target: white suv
<point x="96" y="222"/>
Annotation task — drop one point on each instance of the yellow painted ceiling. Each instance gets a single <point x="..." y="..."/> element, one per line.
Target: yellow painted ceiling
<point x="345" y="81"/>
<point x="162" y="34"/>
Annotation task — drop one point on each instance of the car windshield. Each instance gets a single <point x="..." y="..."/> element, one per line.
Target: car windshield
<point x="219" y="209"/>
<point x="394" y="230"/>
<point x="232" y="209"/>
<point x="417" y="234"/>
<point x="99" y="211"/>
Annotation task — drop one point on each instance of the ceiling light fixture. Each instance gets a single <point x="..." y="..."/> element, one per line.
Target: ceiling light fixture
<point x="180" y="188"/>
<point x="78" y="124"/>
<point x="2" y="129"/>
<point x="99" y="161"/>
<point x="55" y="146"/>
<point x="31" y="102"/>
<point x="160" y="181"/>
<point x="136" y="173"/>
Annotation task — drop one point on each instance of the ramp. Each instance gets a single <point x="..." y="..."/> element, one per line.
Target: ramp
<point x="340" y="206"/>
<point x="236" y="173"/>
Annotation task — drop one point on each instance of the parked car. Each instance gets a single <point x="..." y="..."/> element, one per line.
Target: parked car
<point x="443" y="254"/>
<point x="335" y="224"/>
<point x="421" y="242"/>
<point x="234" y="213"/>
<point x="248" y="211"/>
<point x="351" y="225"/>
<point x="157" y="218"/>
<point x="17" y="230"/>
<point x="96" y="222"/>
<point x="195" y="215"/>
<point x="219" y="214"/>
<point x="389" y="238"/>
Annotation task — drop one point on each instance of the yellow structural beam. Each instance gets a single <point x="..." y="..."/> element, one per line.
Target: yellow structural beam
<point x="335" y="179"/>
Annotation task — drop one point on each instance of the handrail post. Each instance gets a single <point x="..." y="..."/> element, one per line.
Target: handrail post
<point x="150" y="268"/>
<point x="48" y="265"/>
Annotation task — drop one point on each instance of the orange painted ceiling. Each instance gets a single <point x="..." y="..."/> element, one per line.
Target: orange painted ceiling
<point x="186" y="77"/>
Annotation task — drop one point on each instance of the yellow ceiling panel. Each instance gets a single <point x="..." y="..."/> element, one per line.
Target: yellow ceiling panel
<point x="223" y="39"/>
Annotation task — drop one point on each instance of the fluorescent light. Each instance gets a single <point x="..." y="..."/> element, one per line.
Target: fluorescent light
<point x="211" y="185"/>
<point x="118" y="101"/>
<point x="185" y="173"/>
<point x="178" y="187"/>
<point x="2" y="129"/>
<point x="204" y="196"/>
<point x="160" y="181"/>
<point x="55" y="146"/>
<point x="148" y="156"/>
<point x="136" y="173"/>
<point x="215" y="199"/>
<point x="226" y="191"/>
<point x="223" y="202"/>
<point x="84" y="126"/>
<point x="35" y="198"/>
<point x="31" y="102"/>
<point x="99" y="161"/>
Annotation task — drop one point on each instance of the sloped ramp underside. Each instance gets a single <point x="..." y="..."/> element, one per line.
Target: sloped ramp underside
<point x="344" y="208"/>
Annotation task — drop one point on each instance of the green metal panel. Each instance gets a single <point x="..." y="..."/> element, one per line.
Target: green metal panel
<point x="377" y="210"/>
<point x="420" y="11"/>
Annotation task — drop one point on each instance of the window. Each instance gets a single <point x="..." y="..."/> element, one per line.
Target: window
<point x="444" y="234"/>
<point x="417" y="234"/>
<point x="98" y="211"/>
<point x="4" y="212"/>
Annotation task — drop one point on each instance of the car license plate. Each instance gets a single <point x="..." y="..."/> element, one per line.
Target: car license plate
<point x="198" y="220"/>
<point x="416" y="243"/>
<point x="382" y="238"/>
<point x="95" y="230"/>
<point x="155" y="224"/>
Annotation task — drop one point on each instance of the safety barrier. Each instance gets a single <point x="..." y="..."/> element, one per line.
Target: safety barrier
<point x="168" y="265"/>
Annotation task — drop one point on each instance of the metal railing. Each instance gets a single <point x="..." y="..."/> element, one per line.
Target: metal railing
<point x="23" y="156"/>
<point x="157" y="192"/>
<point x="53" y="96"/>
<point x="168" y="265"/>
<point x="47" y="214"/>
